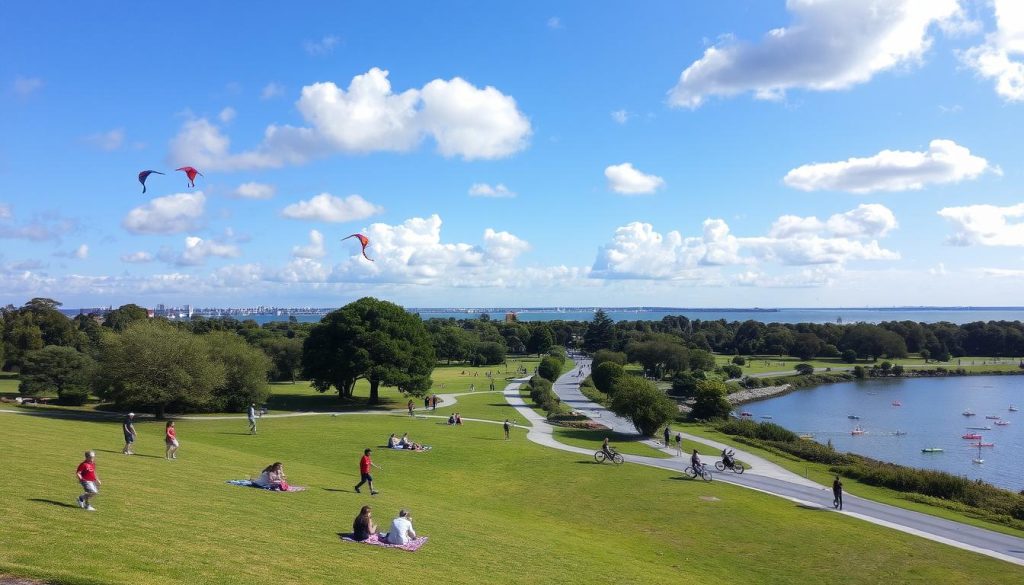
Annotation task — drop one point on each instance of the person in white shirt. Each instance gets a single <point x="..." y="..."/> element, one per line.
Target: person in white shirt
<point x="401" y="529"/>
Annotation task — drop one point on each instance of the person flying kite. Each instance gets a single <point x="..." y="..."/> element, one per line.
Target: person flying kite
<point x="145" y="175"/>
<point x="191" y="173"/>
<point x="365" y="241"/>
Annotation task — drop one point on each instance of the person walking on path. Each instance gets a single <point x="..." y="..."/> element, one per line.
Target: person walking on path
<point x="171" y="440"/>
<point x="507" y="426"/>
<point x="365" y="463"/>
<point x="679" y="444"/>
<point x="252" y="418"/>
<point x="837" y="494"/>
<point x="426" y="402"/>
<point x="86" y="475"/>
<point x="668" y="436"/>
<point x="410" y="407"/>
<point x="433" y="402"/>
<point x="128" y="427"/>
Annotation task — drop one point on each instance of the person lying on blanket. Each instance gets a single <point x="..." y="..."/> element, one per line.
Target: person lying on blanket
<point x="273" y="478"/>
<point x="401" y="529"/>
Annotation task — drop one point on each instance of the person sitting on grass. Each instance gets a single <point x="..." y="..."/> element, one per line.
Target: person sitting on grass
<point x="273" y="478"/>
<point x="393" y="442"/>
<point x="404" y="442"/>
<point x="363" y="526"/>
<point x="458" y="419"/>
<point x="451" y="419"/>
<point x="401" y="529"/>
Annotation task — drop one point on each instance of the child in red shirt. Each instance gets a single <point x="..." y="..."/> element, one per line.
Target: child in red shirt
<point x="365" y="463"/>
<point x="86" y="475"/>
<point x="171" y="440"/>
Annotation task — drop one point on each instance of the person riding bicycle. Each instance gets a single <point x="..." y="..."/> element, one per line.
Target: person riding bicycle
<point x="607" y="449"/>
<point x="727" y="459"/>
<point x="695" y="462"/>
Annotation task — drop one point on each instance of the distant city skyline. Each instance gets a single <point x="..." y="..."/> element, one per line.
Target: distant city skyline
<point x="749" y="154"/>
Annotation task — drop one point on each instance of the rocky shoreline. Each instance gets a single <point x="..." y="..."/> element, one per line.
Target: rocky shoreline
<point x="752" y="394"/>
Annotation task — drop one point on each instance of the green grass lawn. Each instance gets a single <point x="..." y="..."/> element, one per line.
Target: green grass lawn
<point x="495" y="511"/>
<point x="819" y="472"/>
<point x="774" y="363"/>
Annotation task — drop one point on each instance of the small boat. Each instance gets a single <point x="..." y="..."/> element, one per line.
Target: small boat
<point x="971" y="436"/>
<point x="967" y="413"/>
<point x="931" y="450"/>
<point x="978" y="459"/>
<point x="899" y="433"/>
<point x="807" y="437"/>
<point x="853" y="417"/>
<point x="979" y="428"/>
<point x="992" y="417"/>
<point x="897" y="403"/>
<point x="1013" y="408"/>
<point x="766" y="417"/>
<point x="983" y="444"/>
<point x="745" y="413"/>
<point x="1002" y="423"/>
<point x="857" y="431"/>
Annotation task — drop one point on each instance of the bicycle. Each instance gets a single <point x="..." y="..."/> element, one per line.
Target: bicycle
<point x="615" y="458"/>
<point x="704" y="473"/>
<point x="736" y="467"/>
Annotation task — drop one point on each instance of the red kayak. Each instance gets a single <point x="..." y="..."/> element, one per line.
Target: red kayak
<point x="971" y="436"/>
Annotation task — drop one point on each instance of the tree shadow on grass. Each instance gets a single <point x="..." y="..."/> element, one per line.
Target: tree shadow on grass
<point x="598" y="435"/>
<point x="53" y="502"/>
<point x="326" y="403"/>
<point x="135" y="455"/>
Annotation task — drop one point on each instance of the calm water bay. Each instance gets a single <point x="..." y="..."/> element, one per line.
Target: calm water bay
<point x="931" y="415"/>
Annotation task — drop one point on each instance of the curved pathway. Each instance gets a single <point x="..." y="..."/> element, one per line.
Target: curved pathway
<point x="769" y="478"/>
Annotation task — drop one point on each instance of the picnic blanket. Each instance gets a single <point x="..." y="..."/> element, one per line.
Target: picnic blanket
<point x="375" y="540"/>
<point x="424" y="448"/>
<point x="252" y="484"/>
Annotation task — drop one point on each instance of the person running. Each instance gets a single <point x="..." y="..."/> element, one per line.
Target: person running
<point x="252" y="418"/>
<point x="86" y="475"/>
<point x="410" y="407"/>
<point x="171" y="440"/>
<point x="365" y="463"/>
<point x="668" y="436"/>
<point x="837" y="493"/>
<point x="679" y="444"/>
<point x="364" y="526"/>
<point x="507" y="426"/>
<point x="128" y="427"/>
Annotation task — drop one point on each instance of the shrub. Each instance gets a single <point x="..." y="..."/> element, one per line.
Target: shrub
<point x="550" y="368"/>
<point x="643" y="404"/>
<point x="732" y="371"/>
<point x="710" y="402"/>
<point x="606" y="375"/>
<point x="607" y="355"/>
<point x="587" y="389"/>
<point x="739" y="360"/>
<point x="489" y="353"/>
<point x="849" y="356"/>
<point x="684" y="385"/>
<point x="804" y="369"/>
<point x="859" y="372"/>
<point x="830" y="351"/>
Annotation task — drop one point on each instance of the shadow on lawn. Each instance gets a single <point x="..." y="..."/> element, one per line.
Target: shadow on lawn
<point x="120" y="453"/>
<point x="52" y="502"/>
<point x="326" y="403"/>
<point x="598" y="435"/>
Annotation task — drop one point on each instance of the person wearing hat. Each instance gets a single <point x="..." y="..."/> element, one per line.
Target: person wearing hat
<point x="401" y="529"/>
<point x="128" y="426"/>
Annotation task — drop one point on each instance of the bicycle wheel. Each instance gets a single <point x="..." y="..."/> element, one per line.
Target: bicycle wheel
<point x="719" y="466"/>
<point x="705" y="475"/>
<point x="618" y="459"/>
<point x="599" y="456"/>
<point x="690" y="472"/>
<point x="737" y="468"/>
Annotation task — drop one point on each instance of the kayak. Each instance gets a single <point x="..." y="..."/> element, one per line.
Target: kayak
<point x="931" y="450"/>
<point x="1002" y="423"/>
<point x="971" y="436"/>
<point x="979" y="428"/>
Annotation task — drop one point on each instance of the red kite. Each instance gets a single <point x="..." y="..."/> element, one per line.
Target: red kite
<point x="145" y="175"/>
<point x="365" y="241"/>
<point x="191" y="173"/>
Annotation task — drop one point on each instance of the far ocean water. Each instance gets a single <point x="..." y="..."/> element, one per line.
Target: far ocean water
<point x="958" y="315"/>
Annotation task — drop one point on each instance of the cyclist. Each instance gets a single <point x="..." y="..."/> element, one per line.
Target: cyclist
<point x="727" y="458"/>
<point x="695" y="462"/>
<point x="607" y="448"/>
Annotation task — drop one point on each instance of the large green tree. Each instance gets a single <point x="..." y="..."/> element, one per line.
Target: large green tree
<point x="600" y="333"/>
<point x="62" y="369"/>
<point x="452" y="343"/>
<point x="245" y="371"/>
<point x="639" y="400"/>
<point x="373" y="340"/>
<point x="541" y="340"/>
<point x="154" y="365"/>
<point x="710" y="400"/>
<point x="125" y="315"/>
<point x="285" y="354"/>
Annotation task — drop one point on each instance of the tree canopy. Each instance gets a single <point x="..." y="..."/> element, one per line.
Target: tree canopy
<point x="643" y="404"/>
<point x="61" y="369"/>
<point x="373" y="340"/>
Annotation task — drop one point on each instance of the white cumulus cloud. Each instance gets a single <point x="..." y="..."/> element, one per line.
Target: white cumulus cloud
<point x="867" y="220"/>
<point x="315" y="248"/>
<point x="140" y="257"/>
<point x="254" y="190"/>
<point x="1001" y="57"/>
<point x="486" y="190"/>
<point x="5" y="211"/>
<point x="463" y="120"/>
<point x="830" y="45"/>
<point x="627" y="180"/>
<point x="171" y="214"/>
<point x="197" y="250"/>
<point x="945" y="161"/>
<point x="986" y="225"/>
<point x="327" y="207"/>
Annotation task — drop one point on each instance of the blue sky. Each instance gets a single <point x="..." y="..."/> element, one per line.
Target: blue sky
<point x="835" y="153"/>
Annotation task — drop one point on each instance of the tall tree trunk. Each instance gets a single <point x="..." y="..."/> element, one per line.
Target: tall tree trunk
<point x="374" y="396"/>
<point x="160" y="411"/>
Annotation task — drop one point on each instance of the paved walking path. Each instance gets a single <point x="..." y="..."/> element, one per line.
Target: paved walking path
<point x="769" y="478"/>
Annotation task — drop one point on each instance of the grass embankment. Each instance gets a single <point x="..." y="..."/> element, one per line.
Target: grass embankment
<point x="820" y="473"/>
<point x="495" y="511"/>
<point x="774" y="363"/>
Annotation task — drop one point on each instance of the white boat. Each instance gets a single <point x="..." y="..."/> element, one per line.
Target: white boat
<point x="967" y="412"/>
<point x="857" y="431"/>
<point x="1013" y="408"/>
